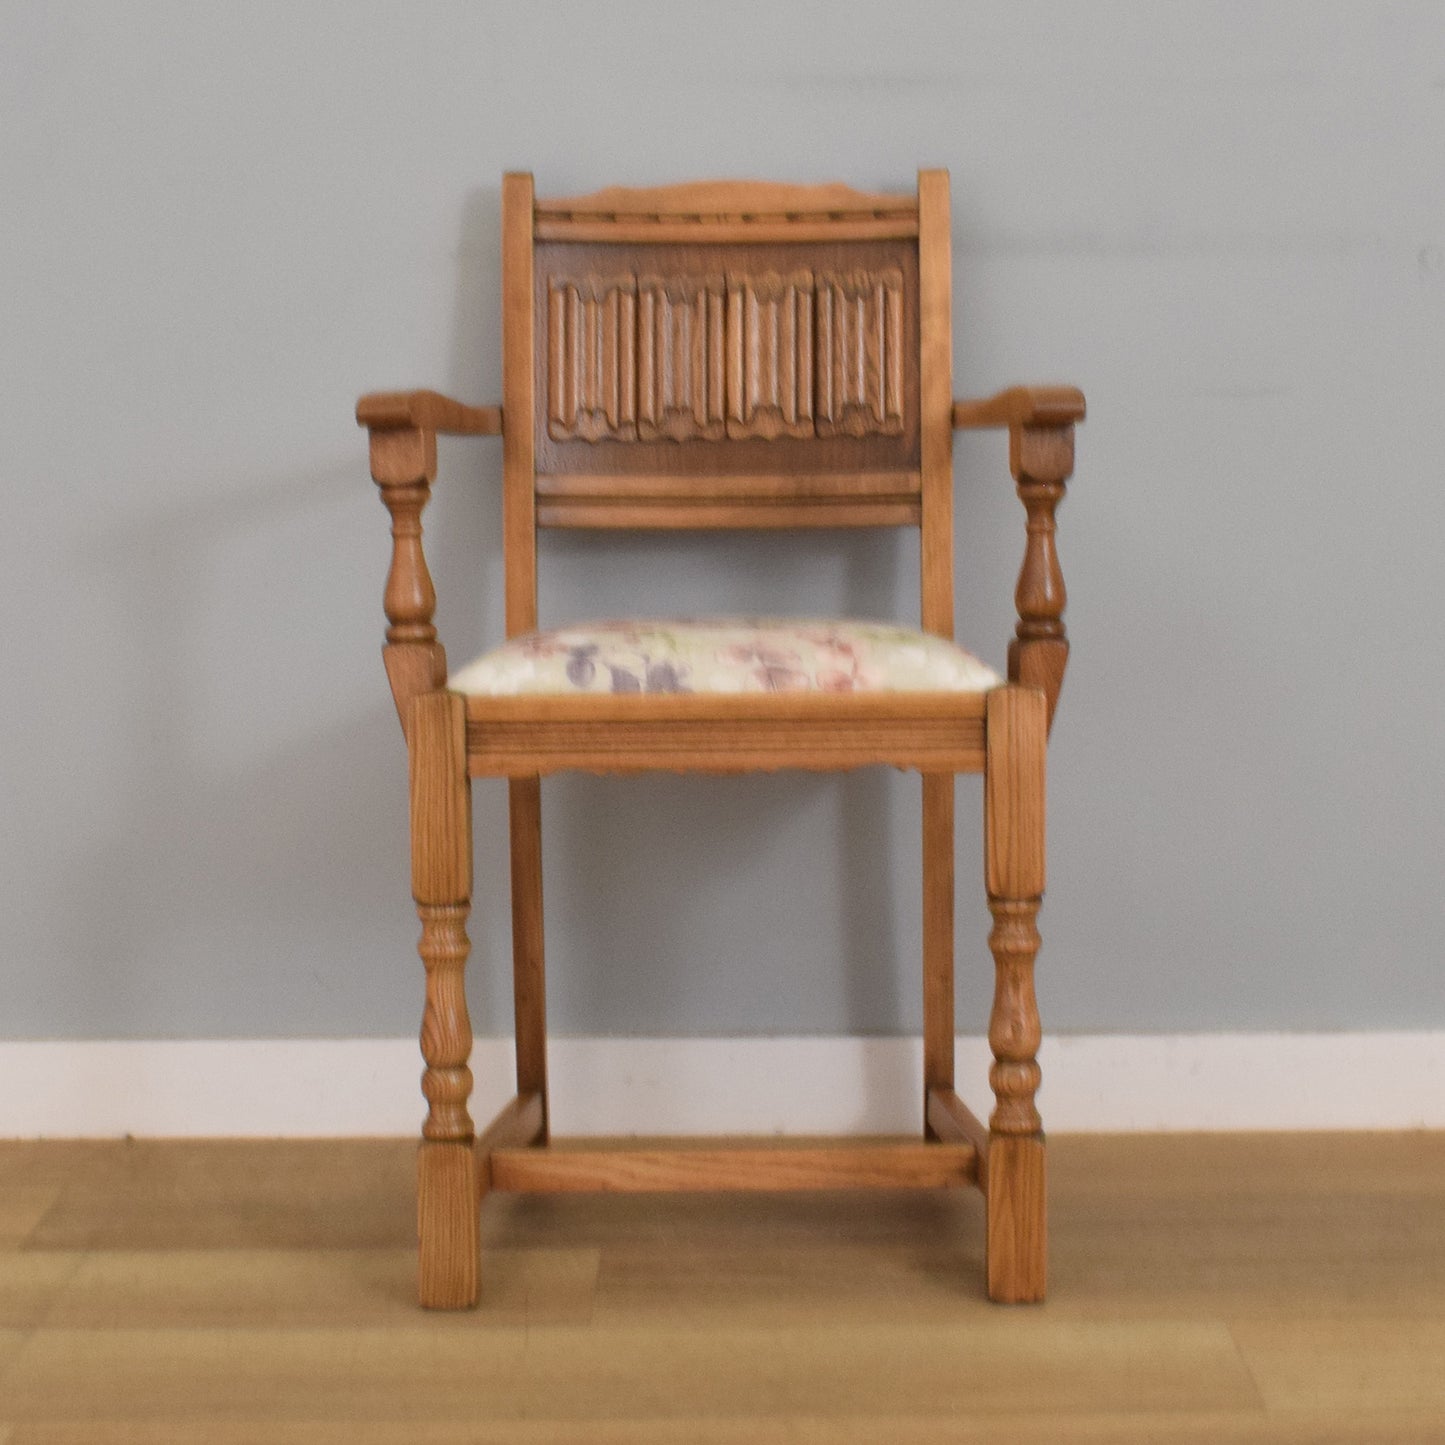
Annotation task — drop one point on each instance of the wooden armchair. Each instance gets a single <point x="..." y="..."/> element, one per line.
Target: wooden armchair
<point x="731" y="355"/>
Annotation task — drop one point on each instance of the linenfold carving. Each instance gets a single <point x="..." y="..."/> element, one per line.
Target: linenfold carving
<point x="746" y="355"/>
<point x="680" y="344"/>
<point x="592" y="357"/>
<point x="770" y="355"/>
<point x="860" y="353"/>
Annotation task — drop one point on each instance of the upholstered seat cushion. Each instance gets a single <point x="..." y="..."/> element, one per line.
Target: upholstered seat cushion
<point x="725" y="655"/>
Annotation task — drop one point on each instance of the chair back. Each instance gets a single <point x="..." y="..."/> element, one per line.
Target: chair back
<point x="727" y="355"/>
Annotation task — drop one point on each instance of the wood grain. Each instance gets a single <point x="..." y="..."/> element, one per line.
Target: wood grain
<point x="757" y="360"/>
<point x="727" y="212"/>
<point x="696" y="199"/>
<point x="1014" y="793"/>
<point x="725" y="230"/>
<point x="771" y="362"/>
<point x="1205" y="1288"/>
<point x="683" y="487"/>
<point x="449" y="1241"/>
<point x="30" y="1285"/>
<point x="951" y="1120"/>
<point x="519" y="525"/>
<point x="592" y="357"/>
<point x="442" y="883"/>
<point x="427" y="411"/>
<point x="441" y="849"/>
<point x="1014" y="866"/>
<point x="935" y="330"/>
<point x="640" y="1170"/>
<point x="524" y="736"/>
<point x="1042" y="458"/>
<point x="1016" y="1193"/>
<point x="711" y="516"/>
<point x="521" y="1122"/>
<point x="529" y="973"/>
<point x="720" y="355"/>
<point x="938" y="1004"/>
<point x="1155" y="1427"/>
<point x="1037" y="406"/>
<point x="681" y="357"/>
<point x="22" y="1207"/>
<point x="862" y="358"/>
<point x="403" y="464"/>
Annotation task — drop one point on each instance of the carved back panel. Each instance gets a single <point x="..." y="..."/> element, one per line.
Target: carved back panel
<point x="723" y="362"/>
<point x="723" y="355"/>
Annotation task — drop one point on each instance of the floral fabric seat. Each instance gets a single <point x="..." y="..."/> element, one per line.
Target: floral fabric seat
<point x="724" y="655"/>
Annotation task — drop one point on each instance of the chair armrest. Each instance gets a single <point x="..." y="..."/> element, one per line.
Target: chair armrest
<point x="404" y="426"/>
<point x="427" y="411"/>
<point x="1040" y="422"/>
<point x="1021" y="406"/>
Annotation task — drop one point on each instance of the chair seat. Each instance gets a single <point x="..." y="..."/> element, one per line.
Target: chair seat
<point x="724" y="655"/>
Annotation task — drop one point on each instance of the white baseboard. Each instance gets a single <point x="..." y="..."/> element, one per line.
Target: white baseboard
<point x="1097" y="1083"/>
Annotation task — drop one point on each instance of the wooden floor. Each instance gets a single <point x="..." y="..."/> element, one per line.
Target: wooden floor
<point x="1210" y="1289"/>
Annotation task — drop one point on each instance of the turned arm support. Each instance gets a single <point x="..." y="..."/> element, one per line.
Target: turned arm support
<point x="1040" y="422"/>
<point x="404" y="427"/>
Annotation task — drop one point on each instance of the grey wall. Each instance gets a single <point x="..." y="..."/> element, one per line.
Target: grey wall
<point x="219" y="224"/>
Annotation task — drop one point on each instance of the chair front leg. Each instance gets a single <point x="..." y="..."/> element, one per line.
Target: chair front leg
<point x="1017" y="727"/>
<point x="441" y="853"/>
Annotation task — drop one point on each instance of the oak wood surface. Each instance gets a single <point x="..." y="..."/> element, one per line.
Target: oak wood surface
<point x="441" y="852"/>
<point x="701" y="198"/>
<point x="776" y="1166"/>
<point x="725" y="230"/>
<point x="786" y="486"/>
<point x="520" y="736"/>
<point x="935" y="305"/>
<point x="727" y="212"/>
<point x="1042" y="406"/>
<point x="710" y="516"/>
<point x="709" y="356"/>
<point x="529" y="978"/>
<point x="427" y="411"/>
<point x="1042" y="459"/>
<point x="449" y="1253"/>
<point x="1245" y="1288"/>
<point x="1015" y="1179"/>
<point x="950" y="1119"/>
<point x="685" y="360"/>
<point x="519" y="531"/>
<point x="939" y="1026"/>
<point x="521" y="1121"/>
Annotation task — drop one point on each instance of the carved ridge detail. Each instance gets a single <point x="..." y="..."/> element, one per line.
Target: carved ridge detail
<point x="1014" y="1031"/>
<point x="770" y="354"/>
<point x="680" y="358"/>
<point x="591" y="358"/>
<point x="860" y="353"/>
<point x="446" y="1029"/>
<point x="749" y="354"/>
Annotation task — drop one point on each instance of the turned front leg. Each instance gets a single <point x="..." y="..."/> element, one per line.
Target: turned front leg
<point x="441" y="844"/>
<point x="1014" y="857"/>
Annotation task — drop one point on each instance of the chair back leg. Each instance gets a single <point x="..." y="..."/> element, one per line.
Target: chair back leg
<point x="938" y="962"/>
<point x="529" y="992"/>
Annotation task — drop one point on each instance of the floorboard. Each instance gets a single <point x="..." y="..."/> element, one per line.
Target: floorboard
<point x="1205" y="1288"/>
